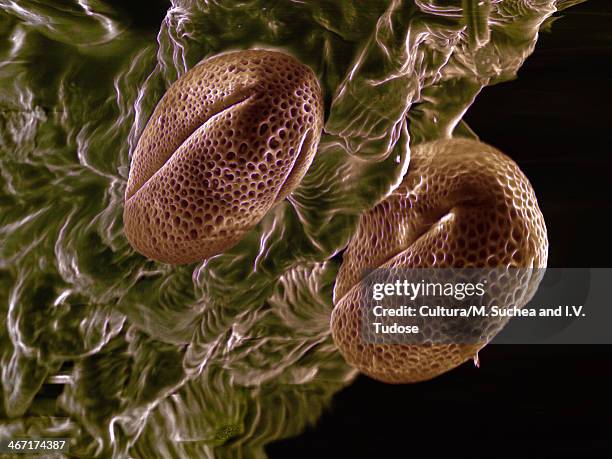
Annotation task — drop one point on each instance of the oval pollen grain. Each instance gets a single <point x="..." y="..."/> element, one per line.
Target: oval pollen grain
<point x="227" y="141"/>
<point x="461" y="204"/>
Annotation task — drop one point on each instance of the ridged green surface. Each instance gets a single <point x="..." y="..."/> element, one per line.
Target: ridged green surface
<point x="130" y="357"/>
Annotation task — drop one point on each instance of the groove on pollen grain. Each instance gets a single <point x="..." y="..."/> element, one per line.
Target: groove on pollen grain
<point x="462" y="204"/>
<point x="228" y="140"/>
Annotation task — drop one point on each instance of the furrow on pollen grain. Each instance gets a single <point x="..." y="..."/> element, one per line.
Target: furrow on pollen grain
<point x="217" y="109"/>
<point x="496" y="225"/>
<point x="301" y="163"/>
<point x="228" y="165"/>
<point x="220" y="108"/>
<point x="420" y="231"/>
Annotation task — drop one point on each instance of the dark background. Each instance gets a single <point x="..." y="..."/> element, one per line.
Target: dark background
<point x="524" y="401"/>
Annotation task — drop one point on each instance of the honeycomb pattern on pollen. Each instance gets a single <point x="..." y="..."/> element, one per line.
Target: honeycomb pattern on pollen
<point x="462" y="204"/>
<point x="228" y="140"/>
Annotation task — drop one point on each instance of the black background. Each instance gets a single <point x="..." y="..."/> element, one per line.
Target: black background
<point x="524" y="401"/>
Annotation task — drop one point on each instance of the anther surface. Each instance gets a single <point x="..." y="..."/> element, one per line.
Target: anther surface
<point x="462" y="204"/>
<point x="228" y="140"/>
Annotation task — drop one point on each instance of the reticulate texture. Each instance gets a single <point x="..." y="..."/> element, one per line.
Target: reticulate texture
<point x="462" y="204"/>
<point x="229" y="139"/>
<point x="130" y="357"/>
